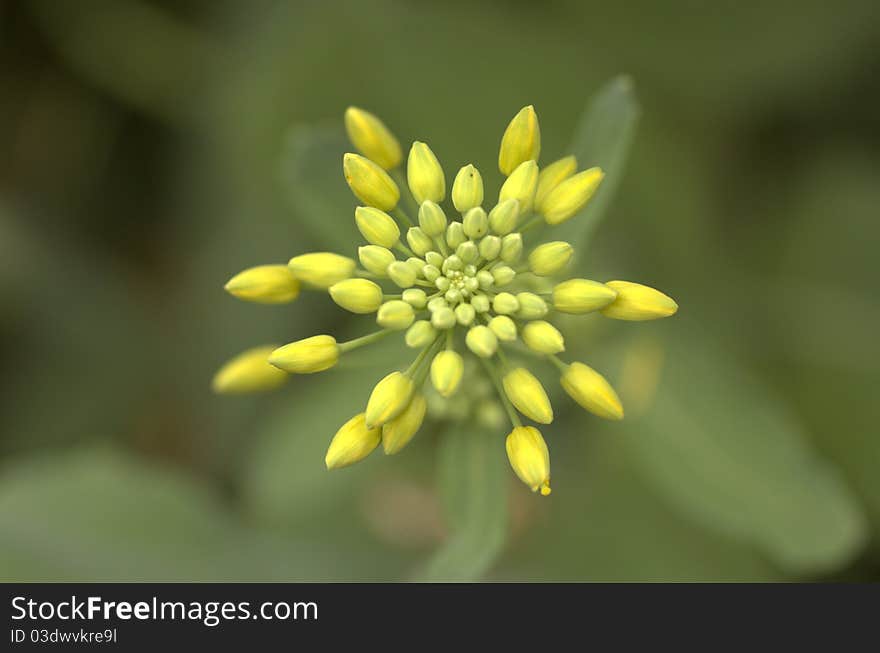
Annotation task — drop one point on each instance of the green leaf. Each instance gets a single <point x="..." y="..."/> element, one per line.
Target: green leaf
<point x="285" y="480"/>
<point x="311" y="176"/>
<point x="728" y="454"/>
<point x="473" y="479"/>
<point x="102" y="515"/>
<point x="602" y="138"/>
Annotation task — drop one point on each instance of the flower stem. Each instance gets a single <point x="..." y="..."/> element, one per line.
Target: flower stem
<point x="401" y="215"/>
<point x="368" y="339"/>
<point x="493" y="374"/>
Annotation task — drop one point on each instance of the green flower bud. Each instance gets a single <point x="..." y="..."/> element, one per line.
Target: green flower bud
<point x="485" y="279"/>
<point x="436" y="303"/>
<point x="452" y="263"/>
<point x="531" y="307"/>
<point x="442" y="284"/>
<point x="455" y="234"/>
<point x="465" y="314"/>
<point x="467" y="251"/>
<point x="480" y="303"/>
<point x="417" y="265"/>
<point x="443" y="318"/>
<point x="511" y="247"/>
<point x="475" y="223"/>
<point x="415" y="297"/>
<point x="490" y="247"/>
<point x="432" y="219"/>
<point x="434" y="258"/>
<point x="402" y="274"/>
<point x="502" y="275"/>
<point x="419" y="241"/>
<point x="503" y="218"/>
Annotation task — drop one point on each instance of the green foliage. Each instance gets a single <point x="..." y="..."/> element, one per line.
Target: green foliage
<point x="728" y="454"/>
<point x="473" y="479"/>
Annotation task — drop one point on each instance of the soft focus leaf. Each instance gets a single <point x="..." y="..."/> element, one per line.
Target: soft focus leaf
<point x="602" y="138"/>
<point x="473" y="479"/>
<point x="311" y="177"/>
<point x="727" y="453"/>
<point x="142" y="522"/>
<point x="285" y="479"/>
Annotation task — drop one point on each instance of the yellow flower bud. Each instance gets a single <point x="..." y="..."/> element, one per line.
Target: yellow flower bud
<point x="590" y="389"/>
<point x="306" y="356"/>
<point x="397" y="433"/>
<point x="377" y="227"/>
<point x="528" y="396"/>
<point x="420" y="334"/>
<point x="467" y="189"/>
<point x="571" y="195"/>
<point x="369" y="183"/>
<point x="482" y="341"/>
<point x="389" y="399"/>
<point x="357" y="295"/>
<point x="402" y="274"/>
<point x="543" y="337"/>
<point x="503" y="218"/>
<point x="468" y="252"/>
<point x="503" y="327"/>
<point x="582" y="296"/>
<point x="419" y="242"/>
<point x="637" y="302"/>
<point x="531" y="307"/>
<point x="529" y="458"/>
<point x="353" y="442"/>
<point x="549" y="258"/>
<point x="376" y="259"/>
<point x="372" y="138"/>
<point x="396" y="314"/>
<point x="321" y="269"/>
<point x="551" y="176"/>
<point x="446" y="372"/>
<point x="521" y="186"/>
<point x="511" y="248"/>
<point x="505" y="303"/>
<point x="248" y="372"/>
<point x="432" y="219"/>
<point x="424" y="174"/>
<point x="264" y="284"/>
<point x="521" y="140"/>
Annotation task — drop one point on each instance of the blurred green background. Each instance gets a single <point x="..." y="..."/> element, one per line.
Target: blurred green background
<point x="151" y="149"/>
